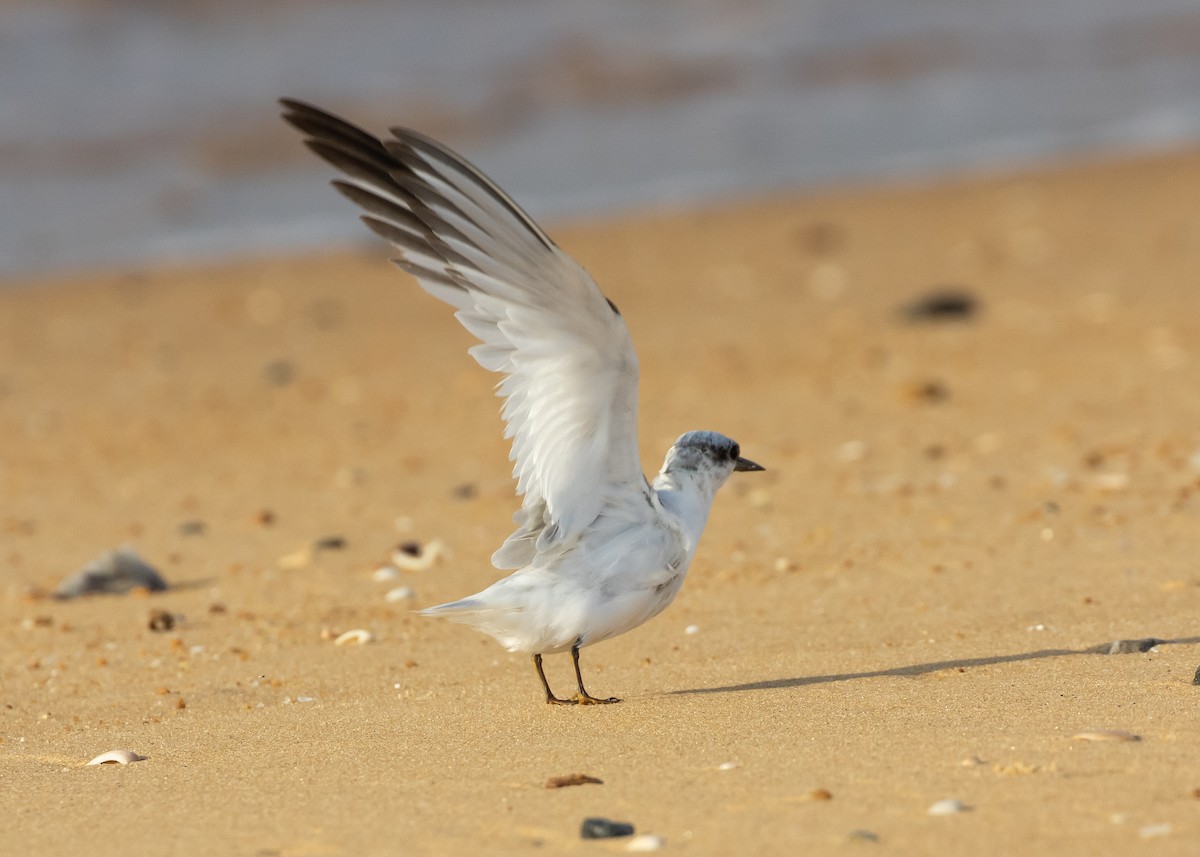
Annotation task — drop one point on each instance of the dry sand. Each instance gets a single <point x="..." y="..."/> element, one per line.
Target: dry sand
<point x="894" y="614"/>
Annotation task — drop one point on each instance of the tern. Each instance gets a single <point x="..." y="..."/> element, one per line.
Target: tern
<point x="598" y="549"/>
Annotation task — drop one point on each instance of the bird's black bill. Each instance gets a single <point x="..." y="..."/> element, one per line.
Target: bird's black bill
<point x="747" y="464"/>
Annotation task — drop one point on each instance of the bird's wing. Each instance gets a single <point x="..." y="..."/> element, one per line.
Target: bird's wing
<point x="571" y="374"/>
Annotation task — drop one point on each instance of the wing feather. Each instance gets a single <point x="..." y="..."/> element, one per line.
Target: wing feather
<point x="570" y="371"/>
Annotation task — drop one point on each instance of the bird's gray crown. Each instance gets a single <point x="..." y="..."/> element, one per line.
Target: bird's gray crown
<point x="710" y="445"/>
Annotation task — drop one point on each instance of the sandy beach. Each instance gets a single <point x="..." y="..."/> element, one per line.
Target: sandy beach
<point x="897" y="613"/>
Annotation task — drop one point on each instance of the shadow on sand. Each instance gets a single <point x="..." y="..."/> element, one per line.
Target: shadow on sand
<point x="1116" y="647"/>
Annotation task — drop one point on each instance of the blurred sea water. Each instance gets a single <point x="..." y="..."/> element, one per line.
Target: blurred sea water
<point x="134" y="133"/>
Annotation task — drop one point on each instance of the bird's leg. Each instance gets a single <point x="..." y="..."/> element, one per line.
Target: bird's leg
<point x="583" y="697"/>
<point x="551" y="699"/>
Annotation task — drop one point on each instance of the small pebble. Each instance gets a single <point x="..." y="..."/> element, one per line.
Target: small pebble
<point x="646" y="842"/>
<point x="927" y="392"/>
<point x="117" y="757"/>
<point x="465" y="491"/>
<point x="1106" y="735"/>
<point x="863" y="836"/>
<point x="944" y="303"/>
<point x="692" y="629"/>
<point x="330" y="543"/>
<point x="384" y="574"/>
<point x="114" y="572"/>
<point x="1196" y="678"/>
<point x="191" y="528"/>
<point x="280" y="373"/>
<point x="358" y="635"/>
<point x="819" y="795"/>
<point x="400" y="593"/>
<point x="572" y="780"/>
<point x="602" y="828"/>
<point x="948" y="806"/>
<point x="161" y="620"/>
<point x="727" y="766"/>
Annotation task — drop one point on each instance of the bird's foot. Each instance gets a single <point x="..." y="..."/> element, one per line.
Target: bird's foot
<point x="588" y="699"/>
<point x="554" y="700"/>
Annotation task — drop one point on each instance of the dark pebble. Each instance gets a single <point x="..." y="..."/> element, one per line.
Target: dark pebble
<point x="330" y="543"/>
<point x="602" y="828"/>
<point x="113" y="572"/>
<point x="161" y="620"/>
<point x="1126" y="647"/>
<point x="192" y="528"/>
<point x="863" y="836"/>
<point x="1196" y="680"/>
<point x="280" y="373"/>
<point x="465" y="491"/>
<point x="948" y="303"/>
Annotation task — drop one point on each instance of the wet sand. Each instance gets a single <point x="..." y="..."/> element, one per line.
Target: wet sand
<point x="896" y="613"/>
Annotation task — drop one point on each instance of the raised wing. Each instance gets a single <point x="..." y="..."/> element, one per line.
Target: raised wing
<point x="571" y="375"/>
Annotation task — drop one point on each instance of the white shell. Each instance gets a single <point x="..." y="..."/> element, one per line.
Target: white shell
<point x="358" y="635"/>
<point x="116" y="757"/>
<point x="646" y="842"/>
<point x="949" y="806"/>
<point x="400" y="593"/>
<point x="425" y="559"/>
<point x="384" y="574"/>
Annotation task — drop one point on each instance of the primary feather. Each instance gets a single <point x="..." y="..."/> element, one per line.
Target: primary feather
<point x="571" y="374"/>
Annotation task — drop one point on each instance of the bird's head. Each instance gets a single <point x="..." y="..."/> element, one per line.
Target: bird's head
<point x="708" y="455"/>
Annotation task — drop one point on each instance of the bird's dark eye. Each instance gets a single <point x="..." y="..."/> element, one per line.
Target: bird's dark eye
<point x="735" y="452"/>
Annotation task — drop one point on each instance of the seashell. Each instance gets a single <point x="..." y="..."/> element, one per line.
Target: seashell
<point x="646" y="842"/>
<point x="358" y="635"/>
<point x="1106" y="735"/>
<point x="400" y="593"/>
<point x="948" y="806"/>
<point x="383" y="574"/>
<point x="116" y="757"/>
<point x="412" y="556"/>
<point x="1151" y="831"/>
<point x="296" y="559"/>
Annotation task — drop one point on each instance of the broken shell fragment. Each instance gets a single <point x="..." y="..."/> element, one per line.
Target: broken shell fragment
<point x="1106" y="735"/>
<point x="947" y="806"/>
<point x="413" y="556"/>
<point x="646" y="842"/>
<point x="400" y="593"/>
<point x="117" y="757"/>
<point x="358" y="635"/>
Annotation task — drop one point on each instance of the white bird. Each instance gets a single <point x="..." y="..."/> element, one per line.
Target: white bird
<point x="599" y="550"/>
